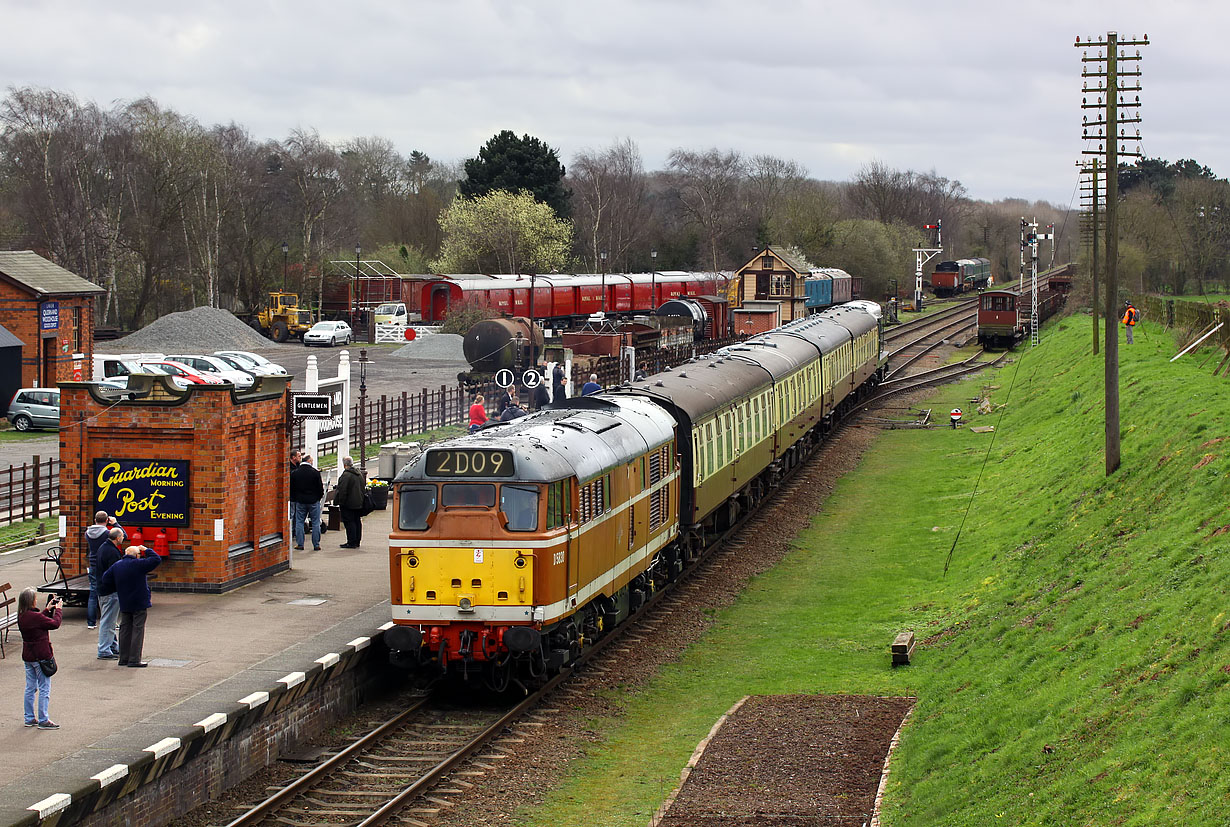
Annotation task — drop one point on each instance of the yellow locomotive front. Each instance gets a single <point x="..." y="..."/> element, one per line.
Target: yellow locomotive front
<point x="511" y="547"/>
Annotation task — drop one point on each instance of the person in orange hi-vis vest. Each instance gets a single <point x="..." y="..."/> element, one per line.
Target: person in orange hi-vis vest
<point x="1129" y="319"/>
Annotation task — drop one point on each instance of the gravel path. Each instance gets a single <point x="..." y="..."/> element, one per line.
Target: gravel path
<point x="792" y="759"/>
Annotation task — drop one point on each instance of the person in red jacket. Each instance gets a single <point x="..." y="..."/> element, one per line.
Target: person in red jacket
<point x="478" y="413"/>
<point x="35" y="646"/>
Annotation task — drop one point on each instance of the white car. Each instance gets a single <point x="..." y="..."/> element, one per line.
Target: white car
<point x="213" y="365"/>
<point x="253" y="363"/>
<point x="328" y="334"/>
<point x="182" y="376"/>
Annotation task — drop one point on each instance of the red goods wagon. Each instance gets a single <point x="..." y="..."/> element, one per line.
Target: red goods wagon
<point x="717" y="314"/>
<point x="589" y="298"/>
<point x="642" y="293"/>
<point x="620" y="299"/>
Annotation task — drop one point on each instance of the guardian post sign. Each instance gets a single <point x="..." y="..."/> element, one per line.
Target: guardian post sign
<point x="143" y="492"/>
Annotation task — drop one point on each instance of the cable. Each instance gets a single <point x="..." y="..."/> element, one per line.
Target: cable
<point x="985" y="459"/>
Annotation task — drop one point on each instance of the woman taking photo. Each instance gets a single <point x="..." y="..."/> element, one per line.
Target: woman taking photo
<point x="35" y="647"/>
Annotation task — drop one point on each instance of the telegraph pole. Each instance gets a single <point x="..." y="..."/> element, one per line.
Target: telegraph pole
<point x="1105" y="70"/>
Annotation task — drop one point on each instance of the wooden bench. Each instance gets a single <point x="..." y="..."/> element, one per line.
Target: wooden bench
<point x="75" y="591"/>
<point x="10" y="614"/>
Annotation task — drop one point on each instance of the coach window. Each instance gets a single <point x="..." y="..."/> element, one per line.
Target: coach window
<point x="520" y="506"/>
<point x="418" y="503"/>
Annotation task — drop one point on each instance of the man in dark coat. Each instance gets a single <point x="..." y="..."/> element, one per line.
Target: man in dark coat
<point x="307" y="489"/>
<point x="541" y="396"/>
<point x="127" y="580"/>
<point x="557" y="383"/>
<point x="349" y="497"/>
<point x="108" y="553"/>
<point x="95" y="536"/>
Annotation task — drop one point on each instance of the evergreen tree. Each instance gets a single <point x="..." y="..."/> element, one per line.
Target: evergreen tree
<point x="513" y="164"/>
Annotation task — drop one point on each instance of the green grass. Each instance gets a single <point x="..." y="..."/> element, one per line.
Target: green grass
<point x="28" y="532"/>
<point x="1075" y="660"/>
<point x="10" y="435"/>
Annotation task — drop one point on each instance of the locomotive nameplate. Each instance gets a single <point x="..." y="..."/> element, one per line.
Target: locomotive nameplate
<point x="461" y="462"/>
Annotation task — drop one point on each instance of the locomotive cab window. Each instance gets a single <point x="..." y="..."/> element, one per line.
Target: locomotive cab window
<point x="418" y="503"/>
<point x="467" y="495"/>
<point x="520" y="506"/>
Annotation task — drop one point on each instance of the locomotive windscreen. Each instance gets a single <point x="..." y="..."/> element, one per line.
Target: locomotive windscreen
<point x="460" y="462"/>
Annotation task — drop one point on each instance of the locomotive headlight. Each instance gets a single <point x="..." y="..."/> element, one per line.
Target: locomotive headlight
<point x="463" y="605"/>
<point x="412" y="561"/>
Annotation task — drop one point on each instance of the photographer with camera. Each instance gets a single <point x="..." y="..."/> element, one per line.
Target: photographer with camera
<point x="126" y="579"/>
<point x="36" y="652"/>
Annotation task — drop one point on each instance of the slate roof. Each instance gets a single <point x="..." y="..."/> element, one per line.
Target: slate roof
<point x="7" y="339"/>
<point x="31" y="271"/>
<point x="787" y="257"/>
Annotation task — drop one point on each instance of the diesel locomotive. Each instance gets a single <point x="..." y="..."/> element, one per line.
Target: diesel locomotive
<point x="963" y="275"/>
<point x="514" y="546"/>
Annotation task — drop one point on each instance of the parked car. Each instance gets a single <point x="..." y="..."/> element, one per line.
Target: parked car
<point x="116" y="387"/>
<point x="182" y="375"/>
<point x="390" y="313"/>
<point x="111" y="365"/>
<point x="35" y="408"/>
<point x="328" y="334"/>
<point x="215" y="366"/>
<point x="252" y="362"/>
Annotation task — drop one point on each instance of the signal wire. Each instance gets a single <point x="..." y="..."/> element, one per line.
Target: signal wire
<point x="986" y="457"/>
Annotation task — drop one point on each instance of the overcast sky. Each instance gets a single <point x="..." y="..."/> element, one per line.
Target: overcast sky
<point x="987" y="92"/>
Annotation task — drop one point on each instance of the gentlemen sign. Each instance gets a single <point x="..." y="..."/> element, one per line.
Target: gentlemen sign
<point x="142" y="491"/>
<point x="312" y="405"/>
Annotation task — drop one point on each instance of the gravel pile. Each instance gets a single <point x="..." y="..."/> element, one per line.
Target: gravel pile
<point x="203" y="329"/>
<point x="437" y="347"/>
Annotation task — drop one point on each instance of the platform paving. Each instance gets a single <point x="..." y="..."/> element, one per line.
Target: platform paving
<point x="206" y="652"/>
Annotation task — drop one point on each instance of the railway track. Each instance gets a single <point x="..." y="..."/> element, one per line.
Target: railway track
<point x="935" y="376"/>
<point x="964" y="307"/>
<point x="406" y="770"/>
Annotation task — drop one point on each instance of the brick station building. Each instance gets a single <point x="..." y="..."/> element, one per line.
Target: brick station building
<point x="51" y="311"/>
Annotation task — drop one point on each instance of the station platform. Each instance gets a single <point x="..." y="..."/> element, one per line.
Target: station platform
<point x="206" y="653"/>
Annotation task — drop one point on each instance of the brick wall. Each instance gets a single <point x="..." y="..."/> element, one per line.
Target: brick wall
<point x="19" y="313"/>
<point x="237" y="447"/>
<point x="749" y="324"/>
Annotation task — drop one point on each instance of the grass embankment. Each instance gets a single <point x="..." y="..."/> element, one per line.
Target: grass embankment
<point x="1075" y="664"/>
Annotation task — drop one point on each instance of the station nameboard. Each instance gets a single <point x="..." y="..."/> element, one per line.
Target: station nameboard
<point x="143" y="492"/>
<point x="49" y="316"/>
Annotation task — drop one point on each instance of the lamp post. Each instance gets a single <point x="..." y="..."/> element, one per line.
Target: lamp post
<point x="363" y="363"/>
<point x="285" y="252"/>
<point x="358" y="250"/>
<point x="653" y="280"/>
<point x="602" y="256"/>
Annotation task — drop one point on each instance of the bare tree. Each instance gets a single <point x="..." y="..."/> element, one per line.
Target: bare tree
<point x="707" y="186"/>
<point x="314" y="166"/>
<point x="610" y="204"/>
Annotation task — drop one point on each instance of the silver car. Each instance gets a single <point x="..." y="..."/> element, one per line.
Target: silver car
<point x="328" y="334"/>
<point x="35" y="408"/>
